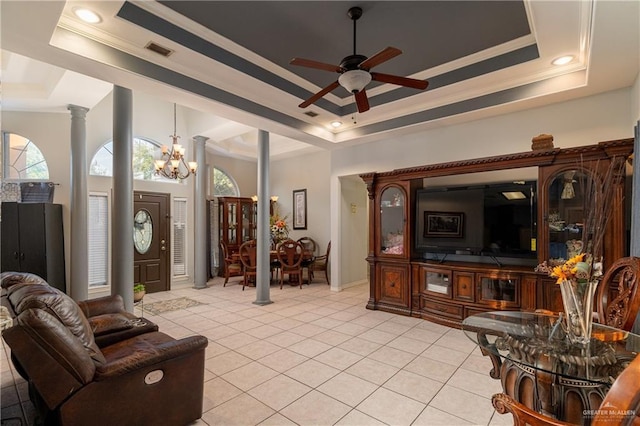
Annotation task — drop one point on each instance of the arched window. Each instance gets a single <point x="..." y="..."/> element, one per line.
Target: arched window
<point x="22" y="159"/>
<point x="144" y="153"/>
<point x="223" y="184"/>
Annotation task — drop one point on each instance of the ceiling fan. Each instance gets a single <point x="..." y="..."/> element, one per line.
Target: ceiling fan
<point x="354" y="71"/>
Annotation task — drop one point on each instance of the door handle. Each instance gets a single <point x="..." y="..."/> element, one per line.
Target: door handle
<point x="21" y="256"/>
<point x="16" y="255"/>
<point x="163" y="248"/>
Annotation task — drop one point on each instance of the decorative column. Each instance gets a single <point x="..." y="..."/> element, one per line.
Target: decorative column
<point x="79" y="205"/>
<point x="263" y="279"/>
<point x="200" y="207"/>
<point x="122" y="213"/>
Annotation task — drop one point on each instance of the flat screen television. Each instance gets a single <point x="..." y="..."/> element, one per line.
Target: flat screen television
<point x="481" y="223"/>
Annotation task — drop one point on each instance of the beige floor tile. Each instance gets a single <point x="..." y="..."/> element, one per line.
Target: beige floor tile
<point x="214" y="349"/>
<point x="308" y="330"/>
<point x="309" y="347"/>
<point x="358" y="418"/>
<point x="407" y="344"/>
<point x="461" y="403"/>
<point x="285" y="339"/>
<point x="226" y="362"/>
<point x="236" y="340"/>
<point x="338" y="358"/>
<point x="249" y="376"/>
<point x="346" y="316"/>
<point x="446" y="355"/>
<point x="376" y="336"/>
<point x="306" y="317"/>
<point x="372" y="370"/>
<point x="360" y="346"/>
<point x="279" y="391"/>
<point x="283" y="360"/>
<point x="426" y="336"/>
<point x="216" y="392"/>
<point x="277" y="420"/>
<point x="287" y="323"/>
<point x="414" y="386"/>
<point x="348" y="389"/>
<point x="479" y="383"/>
<point x="391" y="408"/>
<point x="216" y="332"/>
<point x="312" y="373"/>
<point x="456" y="342"/>
<point x="432" y="369"/>
<point x="315" y="408"/>
<point x="258" y="349"/>
<point x="501" y="419"/>
<point x="433" y="417"/>
<point x="245" y="324"/>
<point x="478" y="363"/>
<point x="331" y="337"/>
<point x="241" y="410"/>
<point x="392" y="356"/>
<point x="263" y="331"/>
<point x="393" y="327"/>
<point x="351" y="329"/>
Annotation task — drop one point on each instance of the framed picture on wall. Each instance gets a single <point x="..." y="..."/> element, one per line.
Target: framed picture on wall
<point x="443" y="224"/>
<point x="300" y="209"/>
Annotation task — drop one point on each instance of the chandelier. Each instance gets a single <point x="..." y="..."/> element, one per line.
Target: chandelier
<point x="172" y="163"/>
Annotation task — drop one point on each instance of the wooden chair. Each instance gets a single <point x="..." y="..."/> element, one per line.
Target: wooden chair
<point x="623" y="397"/>
<point x="231" y="267"/>
<point x="290" y="258"/>
<point x="248" y="256"/>
<point x="321" y="263"/>
<point x="619" y="308"/>
<point x="310" y="247"/>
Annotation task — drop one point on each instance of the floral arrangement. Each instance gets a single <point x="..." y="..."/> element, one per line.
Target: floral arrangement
<point x="278" y="228"/>
<point x="576" y="269"/>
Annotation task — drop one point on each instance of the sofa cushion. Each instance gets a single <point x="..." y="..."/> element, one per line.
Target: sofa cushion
<point x="109" y="323"/>
<point x="60" y="306"/>
<point x="8" y="279"/>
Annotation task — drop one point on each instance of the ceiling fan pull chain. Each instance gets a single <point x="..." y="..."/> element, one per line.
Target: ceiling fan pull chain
<point x="354" y="36"/>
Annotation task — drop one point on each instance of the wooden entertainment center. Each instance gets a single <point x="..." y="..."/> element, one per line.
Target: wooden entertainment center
<point x="408" y="277"/>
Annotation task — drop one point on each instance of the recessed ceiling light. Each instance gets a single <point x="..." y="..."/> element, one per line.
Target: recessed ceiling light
<point x="336" y="123"/>
<point x="87" y="15"/>
<point x="562" y="60"/>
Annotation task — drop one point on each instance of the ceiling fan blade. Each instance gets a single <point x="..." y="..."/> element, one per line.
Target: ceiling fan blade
<point x="320" y="94"/>
<point x="380" y="57"/>
<point x="315" y="64"/>
<point x="400" y="81"/>
<point x="362" y="101"/>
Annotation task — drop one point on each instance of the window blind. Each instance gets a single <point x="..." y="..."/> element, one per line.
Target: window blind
<point x="98" y="239"/>
<point x="179" y="236"/>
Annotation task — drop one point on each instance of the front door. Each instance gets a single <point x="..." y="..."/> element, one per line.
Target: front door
<point x="151" y="241"/>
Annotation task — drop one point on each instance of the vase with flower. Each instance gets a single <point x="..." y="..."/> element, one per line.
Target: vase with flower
<point x="278" y="229"/>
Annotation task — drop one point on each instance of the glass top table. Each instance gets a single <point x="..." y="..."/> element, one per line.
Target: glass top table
<point x="537" y="342"/>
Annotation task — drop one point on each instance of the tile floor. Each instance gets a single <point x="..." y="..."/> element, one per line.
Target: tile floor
<point x="316" y="357"/>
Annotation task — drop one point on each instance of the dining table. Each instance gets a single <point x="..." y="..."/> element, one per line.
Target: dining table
<point x="538" y="366"/>
<point x="307" y="255"/>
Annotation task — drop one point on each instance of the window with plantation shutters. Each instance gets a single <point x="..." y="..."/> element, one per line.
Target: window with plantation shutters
<point x="179" y="236"/>
<point x="98" y="239"/>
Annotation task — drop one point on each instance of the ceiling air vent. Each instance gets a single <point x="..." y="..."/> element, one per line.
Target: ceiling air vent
<point x="154" y="47"/>
<point x="311" y="114"/>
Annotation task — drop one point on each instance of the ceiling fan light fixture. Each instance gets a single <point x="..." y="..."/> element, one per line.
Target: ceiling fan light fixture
<point x="354" y="80"/>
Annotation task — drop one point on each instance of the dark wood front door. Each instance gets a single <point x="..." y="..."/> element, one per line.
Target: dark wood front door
<point x="151" y="241"/>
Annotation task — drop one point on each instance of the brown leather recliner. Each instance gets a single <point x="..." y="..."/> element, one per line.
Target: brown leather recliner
<point x="150" y="378"/>
<point x="107" y="316"/>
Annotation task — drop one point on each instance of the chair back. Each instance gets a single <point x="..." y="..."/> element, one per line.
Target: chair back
<point x="290" y="254"/>
<point x="328" y="250"/>
<point x="619" y="308"/>
<point x="248" y="255"/>
<point x="308" y="244"/>
<point x="224" y="250"/>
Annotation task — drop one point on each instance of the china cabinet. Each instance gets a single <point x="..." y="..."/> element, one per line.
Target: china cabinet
<point x="33" y="241"/>
<point x="237" y="222"/>
<point x="412" y="273"/>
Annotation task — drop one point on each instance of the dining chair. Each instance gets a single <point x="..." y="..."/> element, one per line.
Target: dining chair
<point x="290" y="257"/>
<point x="619" y="308"/>
<point x="321" y="263"/>
<point x="249" y="263"/>
<point x="309" y="246"/>
<point x="231" y="266"/>
<point x="620" y="407"/>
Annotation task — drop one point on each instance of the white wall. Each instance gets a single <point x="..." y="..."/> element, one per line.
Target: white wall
<point x="354" y="232"/>
<point x="635" y="101"/>
<point x="310" y="172"/>
<point x="245" y="173"/>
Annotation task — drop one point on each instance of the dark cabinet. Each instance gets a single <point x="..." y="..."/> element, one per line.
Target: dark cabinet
<point x="237" y="222"/>
<point x="33" y="241"/>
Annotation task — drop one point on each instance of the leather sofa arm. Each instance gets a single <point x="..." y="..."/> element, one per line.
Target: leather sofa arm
<point x="102" y="305"/>
<point x="145" y="352"/>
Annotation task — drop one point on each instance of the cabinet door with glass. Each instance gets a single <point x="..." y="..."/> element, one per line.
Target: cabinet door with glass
<point x="392" y="221"/>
